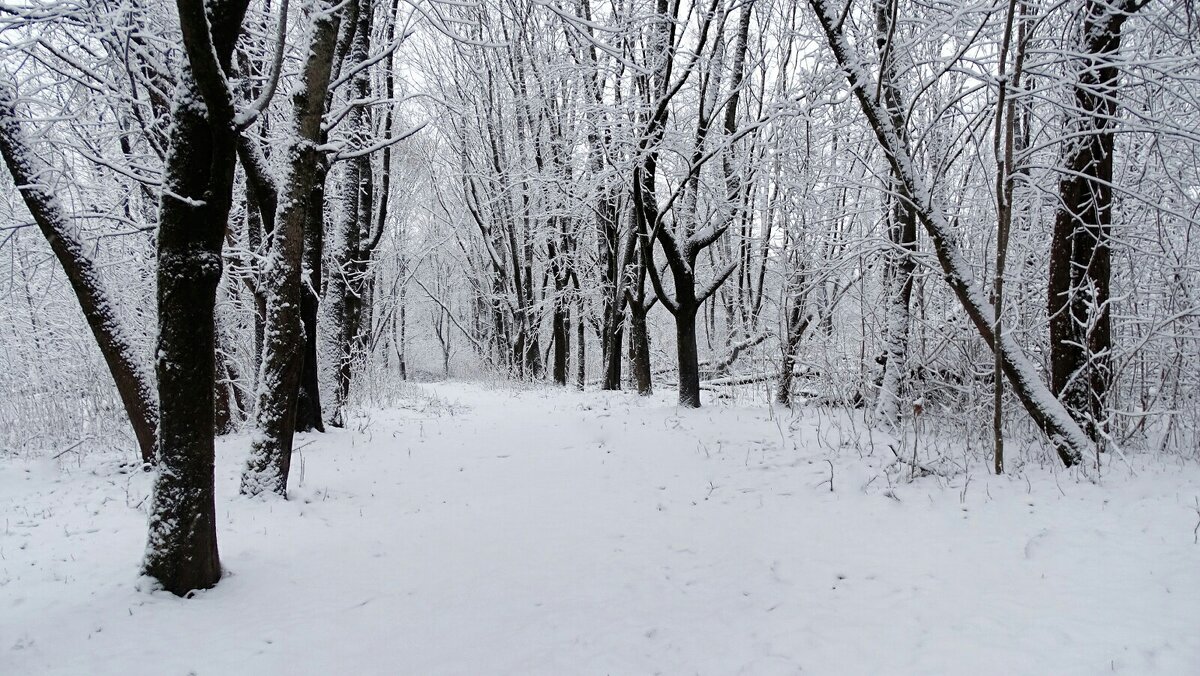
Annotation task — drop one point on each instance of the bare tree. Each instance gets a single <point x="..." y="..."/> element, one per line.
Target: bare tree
<point x="1071" y="442"/>
<point x="270" y="455"/>
<point x="1080" y="248"/>
<point x="181" y="552"/>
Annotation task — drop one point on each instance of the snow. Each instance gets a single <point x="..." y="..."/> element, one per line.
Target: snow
<point x="485" y="530"/>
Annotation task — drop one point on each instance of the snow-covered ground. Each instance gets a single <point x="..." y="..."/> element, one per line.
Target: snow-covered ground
<point x="492" y="531"/>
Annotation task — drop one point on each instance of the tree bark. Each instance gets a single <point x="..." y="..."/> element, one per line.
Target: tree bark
<point x="350" y="276"/>
<point x="901" y="229"/>
<point x="614" y="339"/>
<point x="797" y="325"/>
<point x="308" y="404"/>
<point x="689" y="357"/>
<point x="1080" y="254"/>
<point x="181" y="550"/>
<point x="561" y="335"/>
<point x="580" y="345"/>
<point x="134" y="384"/>
<point x="271" y="452"/>
<point x="640" y="349"/>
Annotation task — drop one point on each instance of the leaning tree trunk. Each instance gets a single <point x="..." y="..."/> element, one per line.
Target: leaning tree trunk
<point x="1080" y="255"/>
<point x="133" y="382"/>
<point x="1050" y="416"/>
<point x="181" y="551"/>
<point x="271" y="452"/>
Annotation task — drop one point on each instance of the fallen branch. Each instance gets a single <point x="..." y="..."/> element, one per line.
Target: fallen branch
<point x="746" y="379"/>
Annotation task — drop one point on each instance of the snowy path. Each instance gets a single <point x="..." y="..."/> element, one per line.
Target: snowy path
<point x="563" y="533"/>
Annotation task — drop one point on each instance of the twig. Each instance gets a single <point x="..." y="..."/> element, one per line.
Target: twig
<point x="72" y="447"/>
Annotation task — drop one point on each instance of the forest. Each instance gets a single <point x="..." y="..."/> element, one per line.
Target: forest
<point x="471" y="312"/>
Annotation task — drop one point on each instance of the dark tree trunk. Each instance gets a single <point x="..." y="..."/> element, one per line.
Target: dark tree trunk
<point x="680" y="237"/>
<point x="308" y="403"/>
<point x="614" y="309"/>
<point x="402" y="324"/>
<point x="560" y="328"/>
<point x="446" y="357"/>
<point x="613" y="259"/>
<point x="1080" y="257"/>
<point x="134" y="385"/>
<point x="614" y="338"/>
<point x="689" y="357"/>
<point x="580" y="347"/>
<point x="181" y="552"/>
<point x="640" y="349"/>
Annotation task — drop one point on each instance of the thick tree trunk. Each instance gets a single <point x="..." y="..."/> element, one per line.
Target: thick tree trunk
<point x="271" y="452"/>
<point x="689" y="356"/>
<point x="181" y="549"/>
<point x="1080" y="256"/>
<point x="133" y="381"/>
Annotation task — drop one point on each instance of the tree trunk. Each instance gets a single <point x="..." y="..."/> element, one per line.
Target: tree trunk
<point x="901" y="229"/>
<point x="1080" y="258"/>
<point x="689" y="357"/>
<point x="271" y="452"/>
<point x="402" y="324"/>
<point x="357" y="193"/>
<point x="561" y="335"/>
<point x="797" y="325"/>
<point x="1050" y="416"/>
<point x="614" y="338"/>
<point x="308" y="403"/>
<point x="222" y="401"/>
<point x="134" y="385"/>
<point x="640" y="350"/>
<point x="181" y="550"/>
<point x="580" y="346"/>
